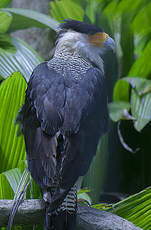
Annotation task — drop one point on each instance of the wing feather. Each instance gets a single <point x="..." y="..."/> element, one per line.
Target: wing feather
<point x="56" y="105"/>
<point x="89" y="118"/>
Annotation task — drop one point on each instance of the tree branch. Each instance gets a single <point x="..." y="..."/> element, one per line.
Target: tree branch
<point x="31" y="212"/>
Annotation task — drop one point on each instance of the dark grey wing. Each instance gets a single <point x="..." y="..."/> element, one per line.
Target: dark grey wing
<point x="86" y="116"/>
<point x="41" y="121"/>
<point x="77" y="108"/>
<point x="90" y="120"/>
<point x="46" y="92"/>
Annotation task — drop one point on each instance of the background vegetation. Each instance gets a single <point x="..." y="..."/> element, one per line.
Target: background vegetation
<point x="120" y="166"/>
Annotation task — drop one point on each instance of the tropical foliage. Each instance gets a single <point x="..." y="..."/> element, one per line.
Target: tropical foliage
<point x="17" y="60"/>
<point x="135" y="208"/>
<point x="128" y="22"/>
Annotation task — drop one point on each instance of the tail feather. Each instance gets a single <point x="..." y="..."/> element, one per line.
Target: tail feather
<point x="60" y="221"/>
<point x="63" y="217"/>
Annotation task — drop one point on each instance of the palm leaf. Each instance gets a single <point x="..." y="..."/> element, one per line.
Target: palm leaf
<point x="19" y="195"/>
<point x="119" y="110"/>
<point x="141" y="23"/>
<point x="140" y="101"/>
<point x="66" y="9"/>
<point x="9" y="182"/>
<point x="24" y="60"/>
<point x="12" y="148"/>
<point x="136" y="208"/>
<point x="5" y="21"/>
<point x="4" y="3"/>
<point x="141" y="66"/>
<point x="23" y="19"/>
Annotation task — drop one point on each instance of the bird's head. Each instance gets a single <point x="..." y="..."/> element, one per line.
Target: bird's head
<point x="84" y="39"/>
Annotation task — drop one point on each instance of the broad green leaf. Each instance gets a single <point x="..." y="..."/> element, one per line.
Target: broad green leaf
<point x="6" y="192"/>
<point x="99" y="1"/>
<point x="22" y="165"/>
<point x="20" y="195"/>
<point x="83" y="190"/>
<point x="6" y="44"/>
<point x="24" y="60"/>
<point x="110" y="9"/>
<point x="1" y="79"/>
<point x="13" y="176"/>
<point x="121" y="91"/>
<point x="141" y="109"/>
<point x="84" y="197"/>
<point x="23" y="19"/>
<point x="5" y="21"/>
<point x="120" y="17"/>
<point x="12" y="148"/>
<point x="124" y="6"/>
<point x="141" y="23"/>
<point x="102" y="206"/>
<point x="56" y="11"/>
<point x="126" y="43"/>
<point x="33" y="190"/>
<point x="9" y="182"/>
<point x="140" y="102"/>
<point x="140" y="43"/>
<point x="91" y="10"/>
<point x="109" y="13"/>
<point x="4" y="3"/>
<point x="119" y="110"/>
<point x="141" y="66"/>
<point x="135" y="208"/>
<point x="118" y="8"/>
<point x="23" y="191"/>
<point x="66" y="9"/>
<point x="22" y="183"/>
<point x="141" y="85"/>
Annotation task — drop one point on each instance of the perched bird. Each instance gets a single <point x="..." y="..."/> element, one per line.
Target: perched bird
<point x="63" y="117"/>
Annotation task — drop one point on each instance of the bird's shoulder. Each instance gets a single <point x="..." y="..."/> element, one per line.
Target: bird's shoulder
<point x="66" y="74"/>
<point x="42" y="74"/>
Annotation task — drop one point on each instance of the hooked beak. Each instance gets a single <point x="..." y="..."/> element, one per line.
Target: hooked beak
<point x="109" y="44"/>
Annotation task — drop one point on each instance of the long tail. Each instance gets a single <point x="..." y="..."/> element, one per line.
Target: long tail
<point x="64" y="217"/>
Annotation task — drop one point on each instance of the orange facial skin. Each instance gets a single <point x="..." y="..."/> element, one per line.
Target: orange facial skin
<point x="98" y="39"/>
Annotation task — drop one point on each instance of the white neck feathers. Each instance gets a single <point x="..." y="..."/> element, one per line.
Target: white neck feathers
<point x="76" y="44"/>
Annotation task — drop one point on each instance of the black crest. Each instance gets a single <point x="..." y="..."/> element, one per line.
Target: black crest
<point x="81" y="27"/>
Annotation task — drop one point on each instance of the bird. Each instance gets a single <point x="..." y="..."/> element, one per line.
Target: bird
<point x="64" y="115"/>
